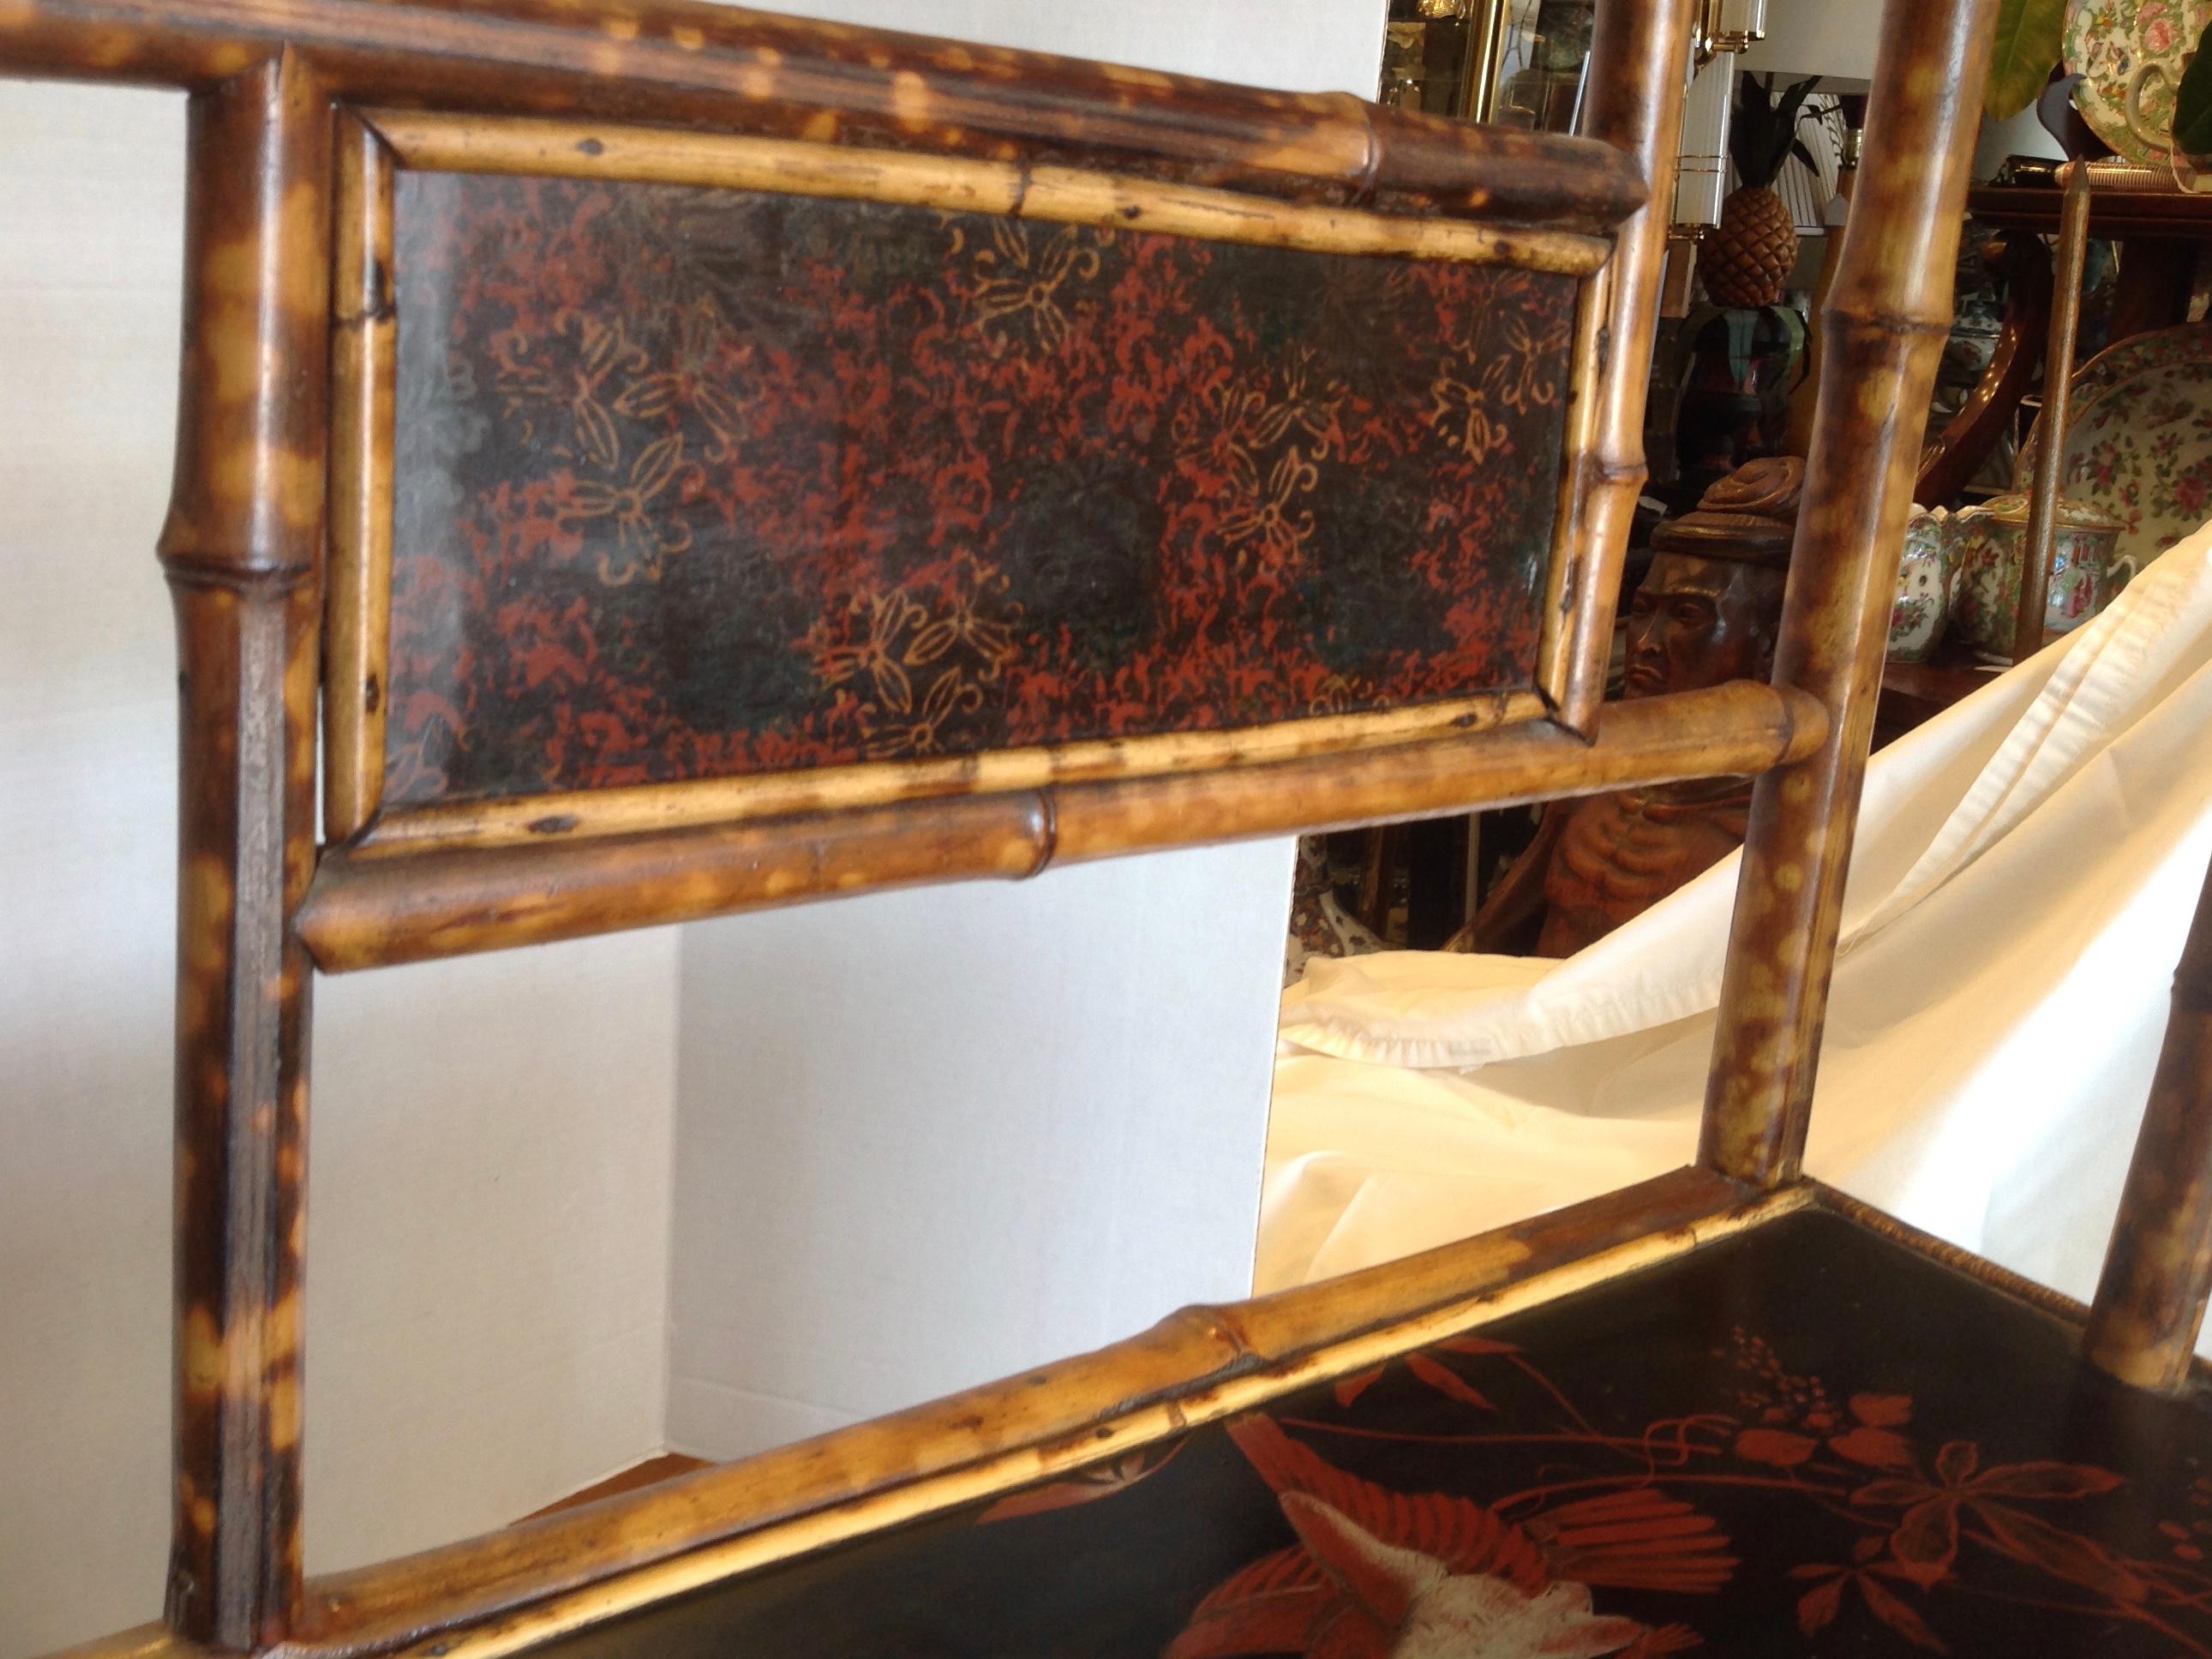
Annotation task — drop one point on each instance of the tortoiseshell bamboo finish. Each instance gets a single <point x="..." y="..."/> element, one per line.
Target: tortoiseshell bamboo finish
<point x="1636" y="79"/>
<point x="1887" y="318"/>
<point x="370" y="906"/>
<point x="897" y="119"/>
<point x="2158" y="1269"/>
<point x="690" y="64"/>
<point x="241" y="546"/>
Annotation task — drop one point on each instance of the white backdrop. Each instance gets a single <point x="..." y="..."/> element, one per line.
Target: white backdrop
<point x="2024" y="874"/>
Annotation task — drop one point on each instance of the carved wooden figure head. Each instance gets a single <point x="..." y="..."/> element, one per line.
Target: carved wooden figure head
<point x="1710" y="606"/>
<point x="1708" y="611"/>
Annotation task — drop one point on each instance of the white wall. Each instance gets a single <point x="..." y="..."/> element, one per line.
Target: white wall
<point x="488" y="1205"/>
<point x="928" y="1139"/>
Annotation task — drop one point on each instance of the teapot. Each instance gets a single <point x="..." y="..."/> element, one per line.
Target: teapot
<point x="1973" y="560"/>
<point x="1986" y="550"/>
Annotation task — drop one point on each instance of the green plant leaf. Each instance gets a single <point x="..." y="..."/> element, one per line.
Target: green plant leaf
<point x="2192" y="103"/>
<point x="2031" y="34"/>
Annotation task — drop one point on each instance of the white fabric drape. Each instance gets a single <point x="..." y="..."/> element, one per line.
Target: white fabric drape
<point x="2026" y="868"/>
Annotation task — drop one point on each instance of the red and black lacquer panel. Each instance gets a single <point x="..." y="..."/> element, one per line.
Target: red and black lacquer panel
<point x="696" y="484"/>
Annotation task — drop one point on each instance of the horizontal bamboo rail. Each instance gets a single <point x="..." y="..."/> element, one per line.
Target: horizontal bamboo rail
<point x="1064" y="195"/>
<point x="684" y="62"/>
<point x="368" y="908"/>
<point x="1197" y="1366"/>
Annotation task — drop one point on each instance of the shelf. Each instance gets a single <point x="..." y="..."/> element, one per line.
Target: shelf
<point x="2171" y="215"/>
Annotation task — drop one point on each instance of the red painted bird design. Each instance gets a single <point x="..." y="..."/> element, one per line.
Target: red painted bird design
<point x="1383" y="1575"/>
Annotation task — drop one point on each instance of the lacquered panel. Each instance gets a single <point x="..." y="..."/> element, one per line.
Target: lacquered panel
<point x="696" y="484"/>
<point x="1804" y="1440"/>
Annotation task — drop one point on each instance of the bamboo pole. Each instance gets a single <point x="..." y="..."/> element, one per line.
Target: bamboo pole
<point x="2057" y="393"/>
<point x="2157" y="1268"/>
<point x="1199" y="1365"/>
<point x="1885" y="325"/>
<point x="240" y="546"/>
<point x="374" y="906"/>
<point x="1064" y="195"/>
<point x="1638" y="72"/>
<point x="684" y="62"/>
<point x="516" y="1589"/>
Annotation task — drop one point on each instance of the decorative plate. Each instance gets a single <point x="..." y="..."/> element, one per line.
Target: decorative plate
<point x="2139" y="439"/>
<point x="2108" y="42"/>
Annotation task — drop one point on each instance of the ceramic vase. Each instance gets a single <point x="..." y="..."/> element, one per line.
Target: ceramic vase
<point x="1917" y="615"/>
<point x="1987" y="547"/>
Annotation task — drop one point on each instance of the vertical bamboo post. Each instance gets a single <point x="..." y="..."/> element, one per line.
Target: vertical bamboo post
<point x="2158" y="1267"/>
<point x="1884" y="327"/>
<point x="241" y="549"/>
<point x="1638" y="75"/>
<point x="2057" y="393"/>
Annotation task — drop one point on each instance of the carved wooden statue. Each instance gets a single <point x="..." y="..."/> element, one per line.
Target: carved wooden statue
<point x="1707" y="612"/>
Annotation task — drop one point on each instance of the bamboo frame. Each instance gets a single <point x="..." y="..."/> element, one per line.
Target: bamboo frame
<point x="1637" y="78"/>
<point x="428" y="142"/>
<point x="689" y="63"/>
<point x="501" y="1593"/>
<point x="1887" y="318"/>
<point x="581" y="814"/>
<point x="2042" y="533"/>
<point x="365" y="371"/>
<point x="2157" y="1275"/>
<point x="240" y="548"/>
<point x="370" y="908"/>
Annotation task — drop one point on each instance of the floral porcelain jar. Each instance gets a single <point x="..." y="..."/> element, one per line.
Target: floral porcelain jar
<point x="1987" y="546"/>
<point x="1922" y="603"/>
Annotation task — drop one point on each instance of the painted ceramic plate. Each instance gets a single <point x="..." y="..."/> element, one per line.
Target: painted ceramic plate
<point x="2108" y="42"/>
<point x="2139" y="438"/>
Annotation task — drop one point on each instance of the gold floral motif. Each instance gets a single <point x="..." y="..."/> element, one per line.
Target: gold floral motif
<point x="689" y="382"/>
<point x="1270" y="527"/>
<point x="917" y="665"/>
<point x="1340" y="694"/>
<point x="1251" y="413"/>
<point x="880" y="655"/>
<point x="988" y="643"/>
<point x="1460" y="409"/>
<point x="1019" y="287"/>
<point x="1246" y="416"/>
<point x="639" y="532"/>
<point x="1307" y="404"/>
<point x="1526" y="373"/>
<point x="1517" y="371"/>
<point x="567" y="370"/>
<point x="951" y="694"/>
